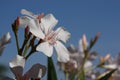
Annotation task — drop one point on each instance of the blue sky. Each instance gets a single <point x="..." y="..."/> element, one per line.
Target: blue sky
<point x="78" y="17"/>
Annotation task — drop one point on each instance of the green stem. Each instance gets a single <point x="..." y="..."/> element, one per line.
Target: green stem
<point x="17" y="43"/>
<point x="26" y="39"/>
<point x="81" y="74"/>
<point x="51" y="70"/>
<point x="26" y="49"/>
<point x="33" y="47"/>
<point x="31" y="52"/>
<point x="24" y="43"/>
<point x="29" y="55"/>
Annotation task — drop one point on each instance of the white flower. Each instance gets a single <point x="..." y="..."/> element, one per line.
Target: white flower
<point x="51" y="38"/>
<point x="3" y="41"/>
<point x="17" y="61"/>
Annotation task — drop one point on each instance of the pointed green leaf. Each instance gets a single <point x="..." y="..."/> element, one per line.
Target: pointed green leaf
<point x="107" y="75"/>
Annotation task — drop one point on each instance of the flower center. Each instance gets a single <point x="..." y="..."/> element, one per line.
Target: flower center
<point x="51" y="38"/>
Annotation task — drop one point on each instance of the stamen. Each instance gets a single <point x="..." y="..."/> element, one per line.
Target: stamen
<point x="51" y="37"/>
<point x="40" y="16"/>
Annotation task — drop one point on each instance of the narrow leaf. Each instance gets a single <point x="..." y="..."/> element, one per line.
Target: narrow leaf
<point x="107" y="75"/>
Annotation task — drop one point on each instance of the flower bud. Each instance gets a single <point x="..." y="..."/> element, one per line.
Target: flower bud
<point x="84" y="42"/>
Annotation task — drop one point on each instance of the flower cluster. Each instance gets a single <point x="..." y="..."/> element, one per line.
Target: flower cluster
<point x="40" y="36"/>
<point x="82" y="67"/>
<point x="42" y="28"/>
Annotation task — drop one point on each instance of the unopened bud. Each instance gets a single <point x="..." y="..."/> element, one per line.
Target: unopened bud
<point x="104" y="59"/>
<point x="84" y="42"/>
<point x="16" y="24"/>
<point x="17" y="21"/>
<point x="93" y="41"/>
<point x="97" y="36"/>
<point x="107" y="57"/>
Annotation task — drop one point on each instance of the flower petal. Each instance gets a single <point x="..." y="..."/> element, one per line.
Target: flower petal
<point x="46" y="48"/>
<point x="5" y="39"/>
<point x="35" y="29"/>
<point x="37" y="71"/>
<point x="30" y="14"/>
<point x="17" y="61"/>
<point x="17" y="65"/>
<point x="48" y="22"/>
<point x="62" y="52"/>
<point x="62" y="35"/>
<point x="23" y="21"/>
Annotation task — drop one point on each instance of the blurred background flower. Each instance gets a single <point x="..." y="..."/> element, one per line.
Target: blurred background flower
<point x="4" y="40"/>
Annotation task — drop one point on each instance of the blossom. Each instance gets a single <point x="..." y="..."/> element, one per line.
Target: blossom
<point x="17" y="65"/>
<point x="3" y="41"/>
<point x="112" y="64"/>
<point x="74" y="65"/>
<point x="43" y="29"/>
<point x="75" y="62"/>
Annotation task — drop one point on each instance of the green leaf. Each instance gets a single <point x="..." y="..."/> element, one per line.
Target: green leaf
<point x="51" y="70"/>
<point x="107" y="75"/>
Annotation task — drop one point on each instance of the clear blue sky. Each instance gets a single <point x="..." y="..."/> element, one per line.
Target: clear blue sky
<point x="77" y="16"/>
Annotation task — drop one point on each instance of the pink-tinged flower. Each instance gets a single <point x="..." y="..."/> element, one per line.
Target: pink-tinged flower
<point x="17" y="64"/>
<point x="43" y="29"/>
<point x="3" y="41"/>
